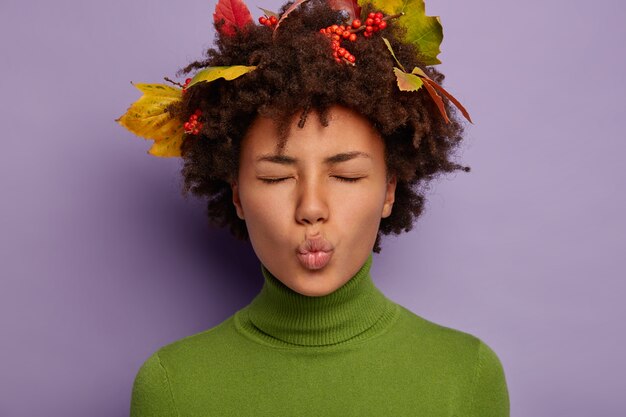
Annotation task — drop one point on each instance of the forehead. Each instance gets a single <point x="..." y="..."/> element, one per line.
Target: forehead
<point x="347" y="132"/>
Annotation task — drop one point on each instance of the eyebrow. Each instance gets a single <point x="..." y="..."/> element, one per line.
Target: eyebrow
<point x="331" y="160"/>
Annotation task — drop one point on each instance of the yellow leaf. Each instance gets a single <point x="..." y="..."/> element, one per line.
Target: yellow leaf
<point x="147" y="117"/>
<point x="213" y="73"/>
<point x="407" y="82"/>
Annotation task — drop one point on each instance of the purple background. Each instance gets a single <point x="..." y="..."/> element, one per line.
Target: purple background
<point x="103" y="261"/>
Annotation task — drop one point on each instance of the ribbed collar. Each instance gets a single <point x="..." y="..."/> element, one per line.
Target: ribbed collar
<point x="356" y="310"/>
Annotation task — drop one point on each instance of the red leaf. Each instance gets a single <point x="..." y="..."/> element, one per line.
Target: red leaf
<point x="235" y="14"/>
<point x="450" y="97"/>
<point x="351" y="6"/>
<point x="437" y="99"/>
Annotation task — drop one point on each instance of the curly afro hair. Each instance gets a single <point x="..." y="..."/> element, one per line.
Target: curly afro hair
<point x="296" y="74"/>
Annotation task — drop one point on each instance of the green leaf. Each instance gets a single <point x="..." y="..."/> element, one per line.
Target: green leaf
<point x="392" y="53"/>
<point x="269" y="13"/>
<point x="213" y="73"/>
<point x="424" y="31"/>
<point x="407" y="82"/>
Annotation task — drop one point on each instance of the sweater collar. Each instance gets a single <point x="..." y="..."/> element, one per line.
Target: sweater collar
<point x="283" y="315"/>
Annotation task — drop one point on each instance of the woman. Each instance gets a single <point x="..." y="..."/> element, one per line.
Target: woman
<point x="311" y="143"/>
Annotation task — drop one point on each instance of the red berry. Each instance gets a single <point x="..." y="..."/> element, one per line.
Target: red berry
<point x="356" y="23"/>
<point x="273" y="20"/>
<point x="369" y="22"/>
<point x="369" y="28"/>
<point x="353" y="37"/>
<point x="323" y="31"/>
<point x="377" y="21"/>
<point x="188" y="80"/>
<point x="193" y="117"/>
<point x="335" y="54"/>
<point x="382" y="25"/>
<point x="379" y="15"/>
<point x="371" y="15"/>
<point x="341" y="51"/>
<point x="335" y="37"/>
<point x="186" y="125"/>
<point x="351" y="58"/>
<point x="367" y="34"/>
<point x="334" y="44"/>
<point x="334" y="27"/>
<point x="342" y="27"/>
<point x="338" y="31"/>
<point x="338" y="60"/>
<point x="262" y="20"/>
<point x="375" y="28"/>
<point x="345" y="34"/>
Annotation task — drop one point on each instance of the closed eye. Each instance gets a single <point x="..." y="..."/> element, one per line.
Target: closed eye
<point x="277" y="180"/>
<point x="346" y="179"/>
<point x="272" y="180"/>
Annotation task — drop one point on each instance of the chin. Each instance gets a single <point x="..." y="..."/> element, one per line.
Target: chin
<point x="315" y="292"/>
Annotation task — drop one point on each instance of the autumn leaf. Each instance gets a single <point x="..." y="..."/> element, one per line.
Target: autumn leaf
<point x="350" y="6"/>
<point x="438" y="101"/>
<point x="291" y="8"/>
<point x="235" y="14"/>
<point x="451" y="98"/>
<point x="407" y="82"/>
<point x="393" y="54"/>
<point x="443" y="91"/>
<point x="423" y="31"/>
<point x="269" y="13"/>
<point x="147" y="117"/>
<point x="213" y="73"/>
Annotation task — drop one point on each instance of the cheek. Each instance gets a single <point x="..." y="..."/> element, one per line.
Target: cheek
<point x="266" y="212"/>
<point x="358" y="210"/>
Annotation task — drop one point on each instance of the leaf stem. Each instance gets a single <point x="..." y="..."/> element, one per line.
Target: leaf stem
<point x="173" y="82"/>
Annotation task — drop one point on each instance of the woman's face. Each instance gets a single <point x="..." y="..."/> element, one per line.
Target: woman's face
<point x="313" y="212"/>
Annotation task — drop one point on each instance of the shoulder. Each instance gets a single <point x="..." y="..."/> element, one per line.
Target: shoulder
<point x="209" y="343"/>
<point x="462" y="355"/>
<point x="449" y="346"/>
<point x="429" y="334"/>
<point x="198" y="349"/>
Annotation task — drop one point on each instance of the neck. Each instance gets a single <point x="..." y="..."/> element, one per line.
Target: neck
<point x="356" y="310"/>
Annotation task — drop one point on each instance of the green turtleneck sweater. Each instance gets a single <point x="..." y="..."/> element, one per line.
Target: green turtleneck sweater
<point x="353" y="352"/>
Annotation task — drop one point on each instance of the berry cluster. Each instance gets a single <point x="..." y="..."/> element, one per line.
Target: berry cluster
<point x="268" y="21"/>
<point x="374" y="23"/>
<point x="187" y="81"/>
<point x="337" y="33"/>
<point x="193" y="126"/>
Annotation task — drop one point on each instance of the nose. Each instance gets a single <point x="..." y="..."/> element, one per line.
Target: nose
<point x="312" y="204"/>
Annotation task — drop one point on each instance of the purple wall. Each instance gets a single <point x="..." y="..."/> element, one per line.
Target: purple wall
<point x="102" y="260"/>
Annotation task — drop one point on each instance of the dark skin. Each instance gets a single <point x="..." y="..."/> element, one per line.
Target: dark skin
<point x="295" y="76"/>
<point x="320" y="188"/>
